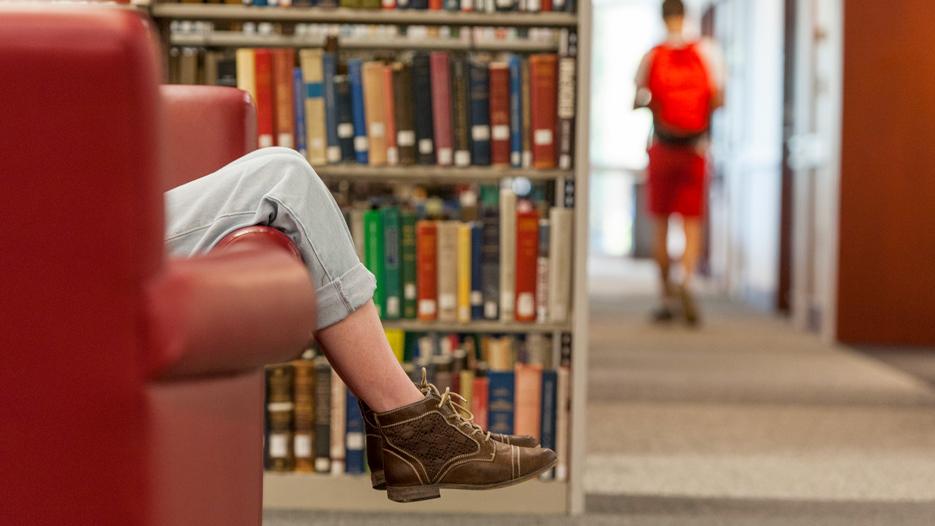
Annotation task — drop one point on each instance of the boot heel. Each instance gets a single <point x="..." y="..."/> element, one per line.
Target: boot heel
<point x="412" y="493"/>
<point x="378" y="480"/>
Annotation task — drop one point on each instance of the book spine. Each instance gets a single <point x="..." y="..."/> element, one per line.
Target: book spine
<point x="560" y="242"/>
<point x="499" y="114"/>
<point x="542" y="271"/>
<point x="358" y="232"/>
<point x="505" y="5"/>
<point x="441" y="107"/>
<point x="528" y="405"/>
<point x="361" y="143"/>
<point x="543" y="86"/>
<point x="397" y="340"/>
<point x="354" y="436"/>
<point x="527" y="114"/>
<point x="567" y="66"/>
<point x="388" y="4"/>
<point x="279" y="411"/>
<point x="372" y="77"/>
<point x="405" y="131"/>
<point x="422" y="99"/>
<point x="283" y="63"/>
<point x="460" y="119"/>
<point x="507" y="254"/>
<point x="501" y="401"/>
<point x="303" y="396"/>
<point x="392" y="278"/>
<point x="298" y="96"/>
<point x="464" y="272"/>
<point x="389" y="116"/>
<point x="527" y="253"/>
<point x="373" y="255"/>
<point x="265" y="116"/>
<point x="315" y="106"/>
<point x="477" y="281"/>
<point x="322" y="415"/>
<point x="480" y="113"/>
<point x="435" y="5"/>
<point x="447" y="271"/>
<point x="479" y="400"/>
<point x="408" y="258"/>
<point x="427" y="278"/>
<point x="547" y="417"/>
<point x="516" y="111"/>
<point x="246" y="72"/>
<point x="338" y="417"/>
<point x="452" y="5"/>
<point x="419" y="4"/>
<point x="329" y="70"/>
<point x="562" y="422"/>
<point x="345" y="117"/>
<point x="490" y="263"/>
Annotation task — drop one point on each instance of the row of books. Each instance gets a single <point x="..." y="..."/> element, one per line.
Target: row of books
<point x="511" y="384"/>
<point x="438" y="108"/>
<point x="508" y="261"/>
<point x="529" y="6"/>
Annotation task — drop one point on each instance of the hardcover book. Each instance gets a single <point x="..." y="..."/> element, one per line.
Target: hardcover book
<point x="460" y="114"/>
<point x="441" y="107"/>
<point x="447" y="271"/>
<point x="246" y="72"/>
<point x="354" y="436"/>
<point x="479" y="396"/>
<point x="392" y="268"/>
<point x="329" y="70"/>
<point x="480" y="112"/>
<point x="338" y="416"/>
<point x="374" y="257"/>
<point x="543" y="84"/>
<point x="422" y="99"/>
<point x="516" y="111"/>
<point x="547" y="417"/>
<point x="527" y="114"/>
<point x="507" y="254"/>
<point x="464" y="272"/>
<point x="527" y="253"/>
<point x="566" y="100"/>
<point x="542" y="272"/>
<point x="408" y="259"/>
<point x="490" y="259"/>
<point x="265" y="109"/>
<point x="499" y="114"/>
<point x="345" y="117"/>
<point x="283" y="63"/>
<point x="528" y="404"/>
<point x="560" y="243"/>
<point x="298" y="95"/>
<point x="477" y="280"/>
<point x="361" y="142"/>
<point x="402" y="104"/>
<point x="501" y="398"/>
<point x="279" y="454"/>
<point x="389" y="116"/>
<point x="314" y="103"/>
<point x="427" y="268"/>
<point x="374" y="112"/>
<point x="322" y="415"/>
<point x="303" y="396"/>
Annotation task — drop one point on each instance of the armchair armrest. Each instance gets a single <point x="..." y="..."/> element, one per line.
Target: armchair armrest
<point x="231" y="310"/>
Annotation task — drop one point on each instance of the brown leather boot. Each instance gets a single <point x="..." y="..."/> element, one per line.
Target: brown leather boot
<point x="375" y="442"/>
<point x="429" y="445"/>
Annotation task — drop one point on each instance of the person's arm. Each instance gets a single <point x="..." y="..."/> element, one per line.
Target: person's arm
<point x="643" y="96"/>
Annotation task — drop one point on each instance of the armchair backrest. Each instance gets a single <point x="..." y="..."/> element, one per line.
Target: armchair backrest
<point x="81" y="235"/>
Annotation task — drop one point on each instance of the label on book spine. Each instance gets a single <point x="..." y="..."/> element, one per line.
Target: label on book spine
<point x="490" y="309"/>
<point x="392" y="306"/>
<point x="285" y="140"/>
<point x="303" y="446"/>
<point x="377" y="129"/>
<point x="462" y="158"/>
<point x="333" y="154"/>
<point x="427" y="308"/>
<point x="406" y="138"/>
<point x="516" y="158"/>
<point x="409" y="291"/>
<point x="278" y="445"/>
<point x="447" y="301"/>
<point x="543" y="137"/>
<point x="526" y="305"/>
<point x="501" y="132"/>
<point x="444" y="155"/>
<point x="564" y="162"/>
<point x="392" y="155"/>
<point x="481" y="132"/>
<point x="345" y="130"/>
<point x="265" y="141"/>
<point x="426" y="146"/>
<point x="361" y="144"/>
<point x="355" y="440"/>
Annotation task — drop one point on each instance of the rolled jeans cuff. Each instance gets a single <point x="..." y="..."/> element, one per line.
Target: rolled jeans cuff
<point x="339" y="298"/>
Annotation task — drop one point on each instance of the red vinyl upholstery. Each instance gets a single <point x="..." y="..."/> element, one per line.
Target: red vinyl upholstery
<point x="131" y="389"/>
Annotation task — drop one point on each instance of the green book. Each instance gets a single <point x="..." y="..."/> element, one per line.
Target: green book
<point x="373" y="254"/>
<point x="370" y="4"/>
<point x="408" y="254"/>
<point x="353" y="4"/>
<point x="392" y="281"/>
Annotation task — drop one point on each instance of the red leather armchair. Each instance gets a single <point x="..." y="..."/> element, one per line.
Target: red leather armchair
<point x="131" y="389"/>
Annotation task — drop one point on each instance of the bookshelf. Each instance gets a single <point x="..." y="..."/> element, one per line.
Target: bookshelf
<point x="308" y="491"/>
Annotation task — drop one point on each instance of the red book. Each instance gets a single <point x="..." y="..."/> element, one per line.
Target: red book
<point x="527" y="252"/>
<point x="543" y="90"/>
<point x="265" y="116"/>
<point x="435" y="5"/>
<point x="479" y="393"/>
<point x="283" y="63"/>
<point x="527" y="406"/>
<point x="427" y="269"/>
<point x="499" y="114"/>
<point x="389" y="116"/>
<point x="441" y="107"/>
<point x="546" y="5"/>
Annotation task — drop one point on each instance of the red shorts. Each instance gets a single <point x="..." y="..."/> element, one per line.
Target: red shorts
<point x="677" y="180"/>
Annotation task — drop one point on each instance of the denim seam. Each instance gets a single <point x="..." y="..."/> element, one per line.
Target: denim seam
<point x="304" y="234"/>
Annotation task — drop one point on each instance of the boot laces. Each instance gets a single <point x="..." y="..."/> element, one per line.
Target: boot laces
<point x="454" y="400"/>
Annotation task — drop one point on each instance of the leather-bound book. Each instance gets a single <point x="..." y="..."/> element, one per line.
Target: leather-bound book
<point x="542" y="271"/>
<point x="374" y="111"/>
<point x="265" y="109"/>
<point x="345" y="117"/>
<point x="499" y="114"/>
<point x="283" y="64"/>
<point x="402" y="107"/>
<point x="479" y="112"/>
<point x="460" y="118"/>
<point x="389" y="116"/>
<point x="441" y="107"/>
<point x="567" y="65"/>
<point x="543" y="87"/>
<point x="322" y="415"/>
<point x="407" y="248"/>
<point x="527" y="254"/>
<point x="279" y="412"/>
<point x="303" y="396"/>
<point x="490" y="258"/>
<point x="422" y="108"/>
<point x="427" y="268"/>
<point x="516" y="111"/>
<point x="314" y="101"/>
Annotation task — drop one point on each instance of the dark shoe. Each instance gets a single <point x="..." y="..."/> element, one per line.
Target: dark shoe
<point x="689" y="307"/>
<point x="662" y="315"/>
<point x="429" y="445"/>
<point x="375" y="442"/>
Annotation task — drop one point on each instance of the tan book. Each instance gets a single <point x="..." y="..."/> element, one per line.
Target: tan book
<point x="338" y="412"/>
<point x="561" y="221"/>
<point x="447" y="271"/>
<point x="464" y="272"/>
<point x="507" y="253"/>
<point x="372" y="74"/>
<point x="279" y="412"/>
<point x="188" y="66"/>
<point x="562" y="422"/>
<point x="246" y="72"/>
<point x="313" y="77"/>
<point x="527" y="407"/>
<point x="303" y="396"/>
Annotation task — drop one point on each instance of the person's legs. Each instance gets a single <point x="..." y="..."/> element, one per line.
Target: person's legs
<point x="693" y="242"/>
<point x="277" y="187"/>
<point x="664" y="311"/>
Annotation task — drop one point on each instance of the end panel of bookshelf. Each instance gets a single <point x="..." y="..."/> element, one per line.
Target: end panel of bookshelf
<point x="299" y="491"/>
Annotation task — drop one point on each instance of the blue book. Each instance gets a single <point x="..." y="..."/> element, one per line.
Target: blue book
<point x="480" y="113"/>
<point x="547" y="418"/>
<point x="516" y="111"/>
<point x="452" y="5"/>
<point x="477" y="281"/>
<point x="361" y="145"/>
<point x="345" y="127"/>
<point x="333" y="152"/>
<point x="354" y="437"/>
<point x="419" y="4"/>
<point x="500" y="401"/>
<point x="298" y="97"/>
<point x="261" y="3"/>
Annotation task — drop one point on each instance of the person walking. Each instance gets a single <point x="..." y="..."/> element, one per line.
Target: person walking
<point x="681" y="82"/>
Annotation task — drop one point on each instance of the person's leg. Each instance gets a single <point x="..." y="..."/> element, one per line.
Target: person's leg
<point x="693" y="243"/>
<point x="661" y="253"/>
<point x="277" y="187"/>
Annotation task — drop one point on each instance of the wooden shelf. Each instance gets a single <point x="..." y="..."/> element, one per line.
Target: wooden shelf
<point x="237" y="39"/>
<point x="359" y="16"/>
<point x="433" y="174"/>
<point x="298" y="491"/>
<point x="476" y="326"/>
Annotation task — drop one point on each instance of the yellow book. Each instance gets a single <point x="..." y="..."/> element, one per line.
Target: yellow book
<point x="246" y="72"/>
<point x="397" y="340"/>
<point x="372" y="74"/>
<point x="313" y="77"/>
<point x="464" y="272"/>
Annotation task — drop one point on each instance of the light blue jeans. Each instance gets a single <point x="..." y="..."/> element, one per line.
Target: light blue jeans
<point x="274" y="187"/>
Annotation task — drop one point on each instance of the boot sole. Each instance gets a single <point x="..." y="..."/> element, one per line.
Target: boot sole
<point x="378" y="480"/>
<point x="431" y="491"/>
